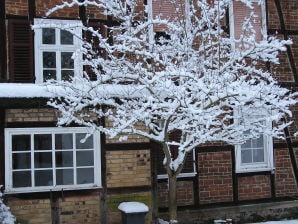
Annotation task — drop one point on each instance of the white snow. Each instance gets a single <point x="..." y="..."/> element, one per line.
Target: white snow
<point x="13" y="90"/>
<point x="279" y="222"/>
<point x="133" y="207"/>
<point x="5" y="214"/>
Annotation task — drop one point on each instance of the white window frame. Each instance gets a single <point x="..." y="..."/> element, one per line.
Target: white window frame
<point x="181" y="175"/>
<point x="232" y="22"/>
<point x="9" y="132"/>
<point x="39" y="47"/>
<point x="268" y="164"/>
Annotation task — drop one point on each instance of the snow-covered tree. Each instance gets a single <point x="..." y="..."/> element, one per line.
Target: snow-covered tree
<point x="196" y="80"/>
<point x="5" y="214"/>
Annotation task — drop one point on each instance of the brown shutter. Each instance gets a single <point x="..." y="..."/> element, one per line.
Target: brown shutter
<point x="88" y="37"/>
<point x="20" y="51"/>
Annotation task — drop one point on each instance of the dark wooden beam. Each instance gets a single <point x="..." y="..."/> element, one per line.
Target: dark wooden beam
<point x="3" y="60"/>
<point x="286" y="37"/>
<point x="291" y="153"/>
<point x="31" y="10"/>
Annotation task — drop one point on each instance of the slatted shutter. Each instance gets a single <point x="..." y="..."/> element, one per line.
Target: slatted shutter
<point x="88" y="37"/>
<point x="20" y="51"/>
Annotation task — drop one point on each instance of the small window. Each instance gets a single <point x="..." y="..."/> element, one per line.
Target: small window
<point x="54" y="48"/>
<point x="41" y="159"/>
<point x="255" y="154"/>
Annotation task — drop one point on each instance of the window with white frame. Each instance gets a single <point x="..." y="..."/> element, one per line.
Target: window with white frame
<point x="256" y="153"/>
<point x="54" y="48"/>
<point x="40" y="159"/>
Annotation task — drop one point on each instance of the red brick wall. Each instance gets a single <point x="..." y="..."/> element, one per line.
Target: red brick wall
<point x="185" y="194"/>
<point x="284" y="177"/>
<point x="215" y="177"/>
<point x="16" y="7"/>
<point x="43" y="6"/>
<point x="254" y="187"/>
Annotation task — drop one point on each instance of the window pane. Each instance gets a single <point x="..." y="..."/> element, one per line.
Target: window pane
<point x="48" y="36"/>
<point x="246" y="156"/>
<point x="258" y="155"/>
<point x="21" y="161"/>
<point x="88" y="144"/>
<point x="21" y="179"/>
<point x="66" y="60"/>
<point x="42" y="159"/>
<point x="64" y="159"/>
<point x="63" y="141"/>
<point x="66" y="37"/>
<point x="49" y="74"/>
<point x="67" y="75"/>
<point x="85" y="175"/>
<point x="85" y="158"/>
<point x="64" y="176"/>
<point x="49" y="59"/>
<point x="20" y="142"/>
<point x="43" y="142"/>
<point x="247" y="144"/>
<point x="43" y="178"/>
<point x="258" y="142"/>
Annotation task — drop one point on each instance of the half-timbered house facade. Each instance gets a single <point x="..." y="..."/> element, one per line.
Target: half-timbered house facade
<point x="50" y="176"/>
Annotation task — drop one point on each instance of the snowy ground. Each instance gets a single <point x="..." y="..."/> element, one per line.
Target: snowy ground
<point x="295" y="221"/>
<point x="281" y="222"/>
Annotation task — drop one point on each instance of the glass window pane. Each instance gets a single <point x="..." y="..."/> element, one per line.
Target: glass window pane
<point x="43" y="178"/>
<point x="246" y="156"/>
<point x="85" y="158"/>
<point x="42" y="159"/>
<point x="66" y="60"/>
<point x="64" y="177"/>
<point x="48" y="36"/>
<point x="258" y="155"/>
<point x="43" y="142"/>
<point x="63" y="141"/>
<point x="246" y="145"/>
<point x="67" y="75"/>
<point x="85" y="175"/>
<point x="20" y="142"/>
<point x="258" y="142"/>
<point x="49" y="74"/>
<point x="66" y="37"/>
<point x="88" y="144"/>
<point x="49" y="59"/>
<point x="21" y="179"/>
<point x="21" y="161"/>
<point x="64" y="159"/>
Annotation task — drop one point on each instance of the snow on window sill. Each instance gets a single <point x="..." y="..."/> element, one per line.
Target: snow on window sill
<point x="181" y="175"/>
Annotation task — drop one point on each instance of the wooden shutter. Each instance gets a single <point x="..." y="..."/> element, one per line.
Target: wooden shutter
<point x="20" y="51"/>
<point x="88" y="37"/>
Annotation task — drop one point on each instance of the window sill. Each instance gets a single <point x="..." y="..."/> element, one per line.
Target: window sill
<point x="182" y="175"/>
<point x="254" y="170"/>
<point x="57" y="189"/>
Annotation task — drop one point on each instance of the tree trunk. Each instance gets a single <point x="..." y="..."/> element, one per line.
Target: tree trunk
<point x="172" y="200"/>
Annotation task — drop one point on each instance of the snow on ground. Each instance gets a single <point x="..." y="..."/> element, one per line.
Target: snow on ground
<point x="280" y="222"/>
<point x="294" y="221"/>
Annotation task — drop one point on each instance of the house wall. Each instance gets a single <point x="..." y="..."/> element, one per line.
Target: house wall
<point x="128" y="167"/>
